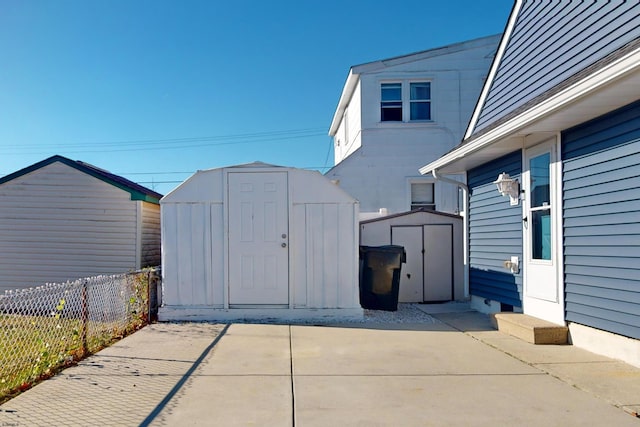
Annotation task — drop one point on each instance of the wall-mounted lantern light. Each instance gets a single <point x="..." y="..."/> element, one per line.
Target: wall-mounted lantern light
<point x="508" y="186"/>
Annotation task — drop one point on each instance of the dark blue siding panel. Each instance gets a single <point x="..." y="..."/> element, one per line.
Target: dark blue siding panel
<point x="495" y="233"/>
<point x="552" y="41"/>
<point x="601" y="222"/>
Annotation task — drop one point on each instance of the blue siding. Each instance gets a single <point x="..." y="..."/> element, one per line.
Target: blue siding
<point x="601" y="215"/>
<point x="551" y="41"/>
<point x="495" y="233"/>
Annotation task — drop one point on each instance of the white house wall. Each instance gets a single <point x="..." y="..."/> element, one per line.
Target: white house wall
<point x="379" y="174"/>
<point x="377" y="167"/>
<point x="348" y="137"/>
<point x="57" y="223"/>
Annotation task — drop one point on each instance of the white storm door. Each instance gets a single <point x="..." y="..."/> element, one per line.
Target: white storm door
<point x="542" y="291"/>
<point x="258" y="238"/>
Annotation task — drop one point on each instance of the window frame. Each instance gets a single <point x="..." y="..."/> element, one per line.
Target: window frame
<point x="405" y="100"/>
<point x="391" y="104"/>
<point x="419" y="101"/>
<point x="414" y="206"/>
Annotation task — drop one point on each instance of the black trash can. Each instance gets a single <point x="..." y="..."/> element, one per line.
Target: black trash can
<point x="380" y="276"/>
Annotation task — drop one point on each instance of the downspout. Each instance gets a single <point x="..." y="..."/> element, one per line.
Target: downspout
<point x="465" y="225"/>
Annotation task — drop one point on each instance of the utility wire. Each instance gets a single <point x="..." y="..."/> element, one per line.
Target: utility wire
<point x="242" y="138"/>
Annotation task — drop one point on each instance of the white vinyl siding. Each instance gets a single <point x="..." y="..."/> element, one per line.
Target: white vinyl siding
<point x="57" y="223"/>
<point x="150" y="235"/>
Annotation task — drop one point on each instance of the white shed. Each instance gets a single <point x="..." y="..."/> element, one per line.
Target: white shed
<point x="259" y="241"/>
<point x="433" y="242"/>
<point x="62" y="219"/>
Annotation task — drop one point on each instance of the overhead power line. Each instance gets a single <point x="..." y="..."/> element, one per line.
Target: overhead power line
<point x="172" y="143"/>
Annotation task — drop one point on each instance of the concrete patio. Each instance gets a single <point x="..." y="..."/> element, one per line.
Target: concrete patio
<point x="452" y="369"/>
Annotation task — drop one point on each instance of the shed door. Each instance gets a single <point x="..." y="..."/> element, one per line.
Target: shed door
<point x="427" y="275"/>
<point x="438" y="263"/>
<point x="412" y="272"/>
<point x="258" y="238"/>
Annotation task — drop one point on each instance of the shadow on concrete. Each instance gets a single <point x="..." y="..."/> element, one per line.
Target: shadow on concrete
<point x="176" y="388"/>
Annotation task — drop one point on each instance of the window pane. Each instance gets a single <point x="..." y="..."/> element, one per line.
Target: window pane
<point x="421" y="192"/>
<point x="539" y="172"/>
<point x="391" y="113"/>
<point x="420" y="111"/>
<point x="541" y="234"/>
<point x="391" y="92"/>
<point x="420" y="91"/>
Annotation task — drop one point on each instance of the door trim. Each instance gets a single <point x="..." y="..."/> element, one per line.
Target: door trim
<point x="552" y="311"/>
<point x="227" y="236"/>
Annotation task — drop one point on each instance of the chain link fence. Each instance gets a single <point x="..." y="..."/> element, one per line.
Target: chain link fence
<point x="46" y="328"/>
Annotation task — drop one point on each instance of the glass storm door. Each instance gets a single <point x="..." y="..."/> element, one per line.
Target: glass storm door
<point x="542" y="293"/>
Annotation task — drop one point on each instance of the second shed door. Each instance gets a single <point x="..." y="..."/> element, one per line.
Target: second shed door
<point x="258" y="238"/>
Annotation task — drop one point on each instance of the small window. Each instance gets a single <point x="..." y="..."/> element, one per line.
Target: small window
<point x="420" y="99"/>
<point x="391" y="102"/>
<point x="422" y="195"/>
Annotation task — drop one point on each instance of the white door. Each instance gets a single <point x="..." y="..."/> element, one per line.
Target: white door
<point x="438" y="260"/>
<point x="258" y="238"/>
<point x="411" y="272"/>
<point x="542" y="292"/>
<point x="427" y="276"/>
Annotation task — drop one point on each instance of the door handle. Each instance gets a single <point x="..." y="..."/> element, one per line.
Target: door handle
<point x="284" y="245"/>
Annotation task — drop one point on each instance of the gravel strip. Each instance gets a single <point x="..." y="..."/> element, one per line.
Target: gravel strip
<point x="406" y="313"/>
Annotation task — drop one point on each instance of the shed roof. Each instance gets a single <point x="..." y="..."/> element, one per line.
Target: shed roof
<point x="419" y="211"/>
<point x="137" y="191"/>
<point x="308" y="186"/>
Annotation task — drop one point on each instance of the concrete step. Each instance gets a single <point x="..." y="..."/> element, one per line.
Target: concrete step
<point x="530" y="329"/>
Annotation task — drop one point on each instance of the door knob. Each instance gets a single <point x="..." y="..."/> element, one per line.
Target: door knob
<point x="284" y="245"/>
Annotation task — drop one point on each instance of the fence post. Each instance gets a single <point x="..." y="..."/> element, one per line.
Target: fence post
<point x="154" y="279"/>
<point x="84" y="317"/>
<point x="148" y="296"/>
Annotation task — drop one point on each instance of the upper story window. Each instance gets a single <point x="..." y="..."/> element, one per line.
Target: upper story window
<point x="409" y="101"/>
<point x="420" y="99"/>
<point x="391" y="102"/>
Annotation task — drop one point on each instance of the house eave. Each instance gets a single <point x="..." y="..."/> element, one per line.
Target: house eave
<point x="345" y="97"/>
<point x="602" y="91"/>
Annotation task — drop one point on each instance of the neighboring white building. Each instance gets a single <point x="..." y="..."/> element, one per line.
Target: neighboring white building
<point x="255" y="241"/>
<point x="395" y="113"/>
<point x="62" y="219"/>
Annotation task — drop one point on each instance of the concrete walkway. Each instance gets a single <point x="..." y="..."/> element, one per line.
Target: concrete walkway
<point x="454" y="371"/>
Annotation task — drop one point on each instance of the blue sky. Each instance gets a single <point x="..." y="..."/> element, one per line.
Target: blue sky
<point x="154" y="90"/>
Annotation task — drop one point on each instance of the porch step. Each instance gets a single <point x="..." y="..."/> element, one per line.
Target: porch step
<point x="530" y="329"/>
